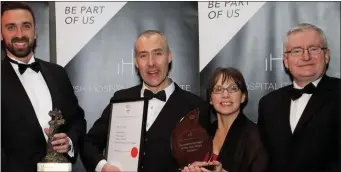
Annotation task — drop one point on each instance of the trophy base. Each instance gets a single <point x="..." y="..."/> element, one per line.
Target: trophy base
<point x="67" y="167"/>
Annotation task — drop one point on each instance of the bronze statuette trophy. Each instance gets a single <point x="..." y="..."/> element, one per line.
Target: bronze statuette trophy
<point x="54" y="161"/>
<point x="190" y="141"/>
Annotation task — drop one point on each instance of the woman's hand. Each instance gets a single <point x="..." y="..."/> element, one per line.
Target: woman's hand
<point x="199" y="166"/>
<point x="194" y="167"/>
<point x="218" y="166"/>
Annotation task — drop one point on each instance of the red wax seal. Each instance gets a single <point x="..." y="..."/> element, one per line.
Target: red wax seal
<point x="134" y="152"/>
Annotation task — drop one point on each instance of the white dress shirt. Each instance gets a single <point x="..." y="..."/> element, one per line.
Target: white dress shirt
<point x="155" y="105"/>
<point x="297" y="106"/>
<point x="154" y="108"/>
<point x="39" y="95"/>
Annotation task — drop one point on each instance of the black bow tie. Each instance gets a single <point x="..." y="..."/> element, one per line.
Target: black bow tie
<point x="161" y="95"/>
<point x="22" y="67"/>
<point x="297" y="93"/>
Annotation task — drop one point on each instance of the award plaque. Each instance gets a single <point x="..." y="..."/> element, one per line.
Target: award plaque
<point x="54" y="161"/>
<point x="127" y="127"/>
<point x="190" y="141"/>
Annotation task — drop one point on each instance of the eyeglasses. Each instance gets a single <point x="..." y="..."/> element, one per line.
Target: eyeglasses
<point x="311" y="50"/>
<point x="220" y="90"/>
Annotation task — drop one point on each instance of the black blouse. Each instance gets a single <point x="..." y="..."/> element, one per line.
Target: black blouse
<point x="242" y="150"/>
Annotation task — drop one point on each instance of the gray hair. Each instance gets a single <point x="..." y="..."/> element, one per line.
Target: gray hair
<point x="303" y="26"/>
<point x="149" y="33"/>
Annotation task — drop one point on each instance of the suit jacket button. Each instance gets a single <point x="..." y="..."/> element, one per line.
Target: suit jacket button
<point x="146" y="140"/>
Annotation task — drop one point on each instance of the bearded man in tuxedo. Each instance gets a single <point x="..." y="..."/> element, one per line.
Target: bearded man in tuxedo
<point x="30" y="89"/>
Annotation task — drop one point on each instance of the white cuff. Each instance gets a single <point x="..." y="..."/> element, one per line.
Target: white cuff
<point x="71" y="152"/>
<point x="100" y="165"/>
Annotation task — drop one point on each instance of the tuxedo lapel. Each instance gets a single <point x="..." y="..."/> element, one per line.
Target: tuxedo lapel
<point x="13" y="87"/>
<point x="173" y="102"/>
<point x="320" y="97"/>
<point x="136" y="92"/>
<point x="173" y="108"/>
<point x="52" y="84"/>
<point x="284" y="115"/>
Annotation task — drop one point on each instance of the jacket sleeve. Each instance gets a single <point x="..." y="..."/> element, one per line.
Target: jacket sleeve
<point x="92" y="150"/>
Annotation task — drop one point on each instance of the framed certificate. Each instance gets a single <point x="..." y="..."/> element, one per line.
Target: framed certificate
<point x="127" y="127"/>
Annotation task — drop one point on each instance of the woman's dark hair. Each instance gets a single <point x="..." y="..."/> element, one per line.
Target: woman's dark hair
<point x="227" y="74"/>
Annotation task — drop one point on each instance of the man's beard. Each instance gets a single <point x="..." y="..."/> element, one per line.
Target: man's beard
<point x="20" y="52"/>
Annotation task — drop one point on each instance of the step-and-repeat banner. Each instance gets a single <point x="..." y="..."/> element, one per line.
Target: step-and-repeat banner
<point x="95" y="42"/>
<point x="249" y="37"/>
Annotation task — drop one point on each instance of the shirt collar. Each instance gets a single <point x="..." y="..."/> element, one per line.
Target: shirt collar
<point x="168" y="90"/>
<point x="32" y="60"/>
<point x="316" y="82"/>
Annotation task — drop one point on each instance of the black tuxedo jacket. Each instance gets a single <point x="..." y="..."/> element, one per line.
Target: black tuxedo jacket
<point x="158" y="156"/>
<point x="243" y="149"/>
<point x="23" y="144"/>
<point x="314" y="144"/>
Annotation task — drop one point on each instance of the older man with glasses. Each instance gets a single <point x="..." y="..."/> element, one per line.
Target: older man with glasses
<point x="300" y="123"/>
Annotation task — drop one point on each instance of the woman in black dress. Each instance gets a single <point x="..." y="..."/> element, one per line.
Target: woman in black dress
<point x="237" y="145"/>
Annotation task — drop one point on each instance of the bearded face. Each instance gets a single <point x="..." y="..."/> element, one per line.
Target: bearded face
<point x="18" y="32"/>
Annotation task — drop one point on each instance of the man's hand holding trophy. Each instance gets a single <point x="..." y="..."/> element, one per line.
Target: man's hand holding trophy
<point x="57" y="145"/>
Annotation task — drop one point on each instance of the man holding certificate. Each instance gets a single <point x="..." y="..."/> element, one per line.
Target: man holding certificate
<point x="168" y="104"/>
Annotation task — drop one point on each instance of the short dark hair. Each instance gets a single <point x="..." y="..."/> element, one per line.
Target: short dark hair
<point x="15" y="5"/>
<point x="148" y="33"/>
<point x="227" y="74"/>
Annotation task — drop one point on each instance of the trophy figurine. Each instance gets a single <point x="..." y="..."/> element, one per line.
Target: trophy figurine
<point x="54" y="161"/>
